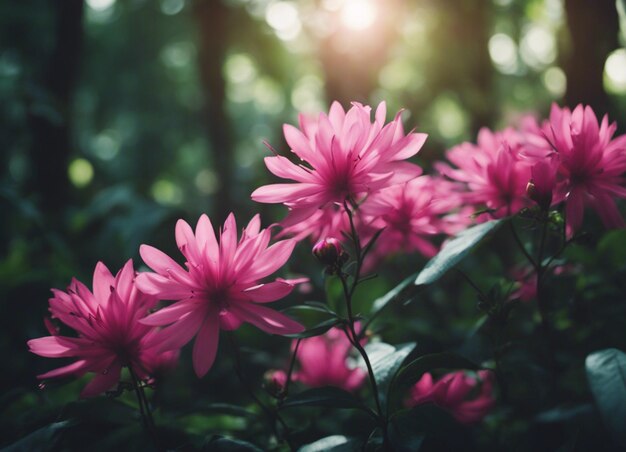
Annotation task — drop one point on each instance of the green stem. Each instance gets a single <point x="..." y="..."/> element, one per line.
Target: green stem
<point x="291" y="366"/>
<point x="144" y="409"/>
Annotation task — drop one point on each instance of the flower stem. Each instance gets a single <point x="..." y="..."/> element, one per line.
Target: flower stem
<point x="144" y="409"/>
<point x="271" y="414"/>
<point x="351" y="333"/>
<point x="291" y="366"/>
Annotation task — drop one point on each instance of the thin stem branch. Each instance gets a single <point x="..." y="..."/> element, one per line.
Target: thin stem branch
<point x="521" y="245"/>
<point x="291" y="366"/>
<point x="272" y="415"/>
<point x="144" y="409"/>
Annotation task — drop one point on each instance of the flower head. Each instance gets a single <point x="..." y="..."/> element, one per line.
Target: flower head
<point x="345" y="157"/>
<point x="109" y="333"/>
<point x="591" y="163"/>
<point x="220" y="288"/>
<point x="457" y="393"/>
<point x="493" y="171"/>
<point x="411" y="213"/>
<point x="322" y="362"/>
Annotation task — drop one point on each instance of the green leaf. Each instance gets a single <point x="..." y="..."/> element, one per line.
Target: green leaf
<point x="334" y="443"/>
<point x="328" y="396"/>
<point x="316" y="330"/>
<point x="390" y="296"/>
<point x="46" y="438"/>
<point x="221" y="444"/>
<point x="101" y="410"/>
<point x="621" y="12"/>
<point x="419" y="366"/>
<point x="606" y="372"/>
<point x="386" y="360"/>
<point x="454" y="251"/>
<point x="429" y="425"/>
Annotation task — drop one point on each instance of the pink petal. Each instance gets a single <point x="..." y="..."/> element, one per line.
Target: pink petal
<point x="266" y="319"/>
<point x="102" y="381"/>
<point x="205" y="237"/>
<point x="102" y="282"/>
<point x="168" y="315"/>
<point x="282" y="167"/>
<point x="264" y="293"/>
<point x="162" y="287"/>
<point x="205" y="346"/>
<point x="56" y="346"/>
<point x="278" y="193"/>
<point x="160" y="262"/>
<point x="178" y="334"/>
<point x="70" y="369"/>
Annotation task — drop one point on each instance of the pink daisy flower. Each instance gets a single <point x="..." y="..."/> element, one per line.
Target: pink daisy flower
<point x="456" y="393"/>
<point x="411" y="213"/>
<point x="220" y="288"/>
<point x="323" y="362"/>
<point x="109" y="333"/>
<point x="493" y="171"/>
<point x="345" y="156"/>
<point x="591" y="163"/>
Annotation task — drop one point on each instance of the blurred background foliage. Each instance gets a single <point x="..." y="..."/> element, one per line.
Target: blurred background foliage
<point x="119" y="116"/>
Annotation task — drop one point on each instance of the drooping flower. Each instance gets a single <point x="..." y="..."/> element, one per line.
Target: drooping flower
<point x="591" y="163"/>
<point x="411" y="213"/>
<point x="110" y="336"/>
<point x="457" y="393"/>
<point x="345" y="156"/>
<point x="323" y="362"/>
<point x="493" y="170"/>
<point x="220" y="288"/>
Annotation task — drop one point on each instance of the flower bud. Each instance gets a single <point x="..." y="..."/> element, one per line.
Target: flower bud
<point x="275" y="381"/>
<point x="330" y="253"/>
<point x="542" y="183"/>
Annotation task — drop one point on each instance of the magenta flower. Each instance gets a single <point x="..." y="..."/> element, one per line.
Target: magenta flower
<point x="411" y="213"/>
<point x="592" y="164"/>
<point x="542" y="184"/>
<point x="457" y="393"/>
<point x="493" y="171"/>
<point x="109" y="333"/>
<point x="345" y="156"/>
<point x="322" y="362"/>
<point x="220" y="288"/>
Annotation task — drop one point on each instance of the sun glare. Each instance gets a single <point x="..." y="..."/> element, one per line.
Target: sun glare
<point x="358" y="14"/>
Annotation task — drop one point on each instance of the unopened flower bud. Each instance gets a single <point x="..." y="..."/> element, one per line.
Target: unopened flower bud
<point x="330" y="253"/>
<point x="275" y="381"/>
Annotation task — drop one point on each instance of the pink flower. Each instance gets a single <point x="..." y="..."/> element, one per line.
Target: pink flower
<point x="220" y="288"/>
<point x="542" y="184"/>
<point x="109" y="333"/>
<point x="493" y="171"/>
<point x="592" y="164"/>
<point x="411" y="213"/>
<point x="457" y="393"/>
<point x="526" y="279"/>
<point x="345" y="156"/>
<point x="322" y="362"/>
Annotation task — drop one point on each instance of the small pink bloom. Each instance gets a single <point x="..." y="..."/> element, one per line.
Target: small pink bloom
<point x="275" y="382"/>
<point x="591" y="163"/>
<point x="109" y="333"/>
<point x="344" y="156"/>
<point x="411" y="213"/>
<point x="457" y="393"/>
<point x="493" y="171"/>
<point x="526" y="279"/>
<point x="220" y="288"/>
<point x="322" y="362"/>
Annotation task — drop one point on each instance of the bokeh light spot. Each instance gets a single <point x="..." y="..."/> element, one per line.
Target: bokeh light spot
<point x="80" y="172"/>
<point x="503" y="52"/>
<point x="358" y="14"/>
<point x="615" y="72"/>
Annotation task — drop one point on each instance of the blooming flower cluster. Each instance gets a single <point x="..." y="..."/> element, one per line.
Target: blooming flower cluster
<point x="570" y="157"/>
<point x="469" y="399"/>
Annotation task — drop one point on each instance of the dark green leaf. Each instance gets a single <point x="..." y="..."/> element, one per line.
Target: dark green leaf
<point x="317" y="330"/>
<point x="328" y="396"/>
<point x="334" y="443"/>
<point x="46" y="438"/>
<point x="606" y="372"/>
<point x="232" y="410"/>
<point x="454" y="251"/>
<point x="428" y="425"/>
<point x="221" y="444"/>
<point x="390" y="296"/>
<point x="416" y="368"/>
<point x="386" y="360"/>
<point x="101" y="410"/>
